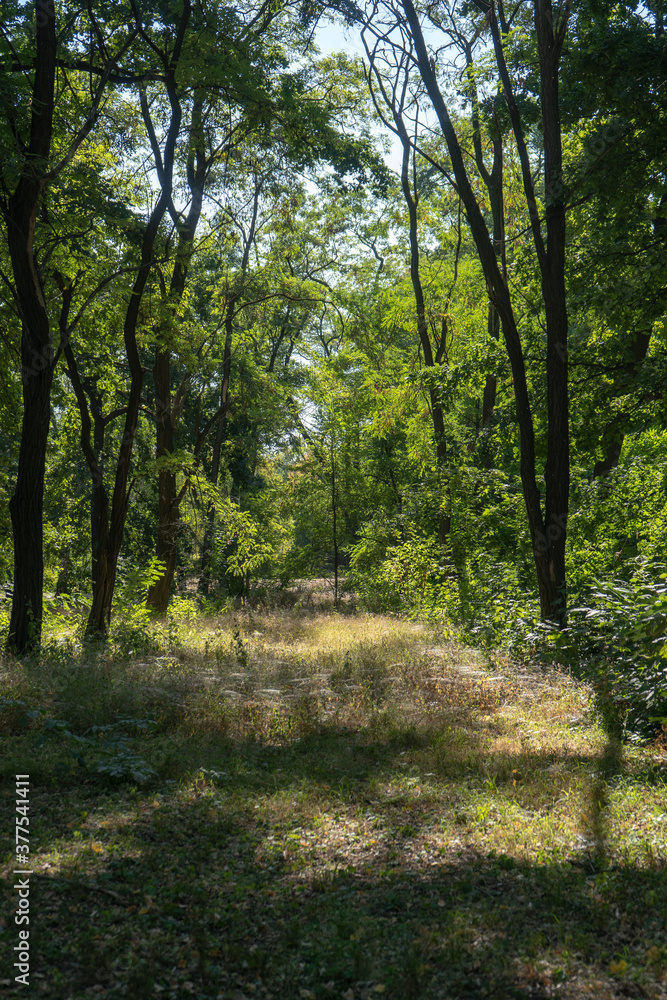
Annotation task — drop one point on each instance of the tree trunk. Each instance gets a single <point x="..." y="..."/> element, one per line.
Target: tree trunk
<point x="168" y="506"/>
<point x="557" y="471"/>
<point x="26" y="504"/>
<point x="168" y="501"/>
<point x="99" y="502"/>
<point x="26" y="508"/>
<point x="112" y="531"/>
<point x="548" y="531"/>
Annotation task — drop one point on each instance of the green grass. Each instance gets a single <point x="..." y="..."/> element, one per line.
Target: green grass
<point x="334" y="806"/>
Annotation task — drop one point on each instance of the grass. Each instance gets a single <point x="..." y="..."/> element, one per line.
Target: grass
<point x="313" y="805"/>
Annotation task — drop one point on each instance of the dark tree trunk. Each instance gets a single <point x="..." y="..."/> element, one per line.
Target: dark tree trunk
<point x="99" y="504"/>
<point x="112" y="529"/>
<point x="26" y="507"/>
<point x="548" y="531"/>
<point x="37" y="362"/>
<point x="168" y="500"/>
<point x="557" y="470"/>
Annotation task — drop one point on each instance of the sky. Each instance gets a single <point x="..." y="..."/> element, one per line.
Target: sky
<point x="336" y="38"/>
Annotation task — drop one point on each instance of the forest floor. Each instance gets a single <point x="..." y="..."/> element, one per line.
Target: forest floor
<point x="305" y="804"/>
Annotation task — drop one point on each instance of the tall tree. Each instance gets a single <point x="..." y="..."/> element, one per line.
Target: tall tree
<point x="41" y="146"/>
<point x="111" y="512"/>
<point x="401" y="27"/>
<point x="397" y="100"/>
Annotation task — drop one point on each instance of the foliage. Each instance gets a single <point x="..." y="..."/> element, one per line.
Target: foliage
<point x="238" y="548"/>
<point x="103" y="750"/>
<point x="617" y="640"/>
<point x="300" y="403"/>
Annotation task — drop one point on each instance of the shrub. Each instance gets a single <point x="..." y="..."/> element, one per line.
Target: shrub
<point x="617" y="639"/>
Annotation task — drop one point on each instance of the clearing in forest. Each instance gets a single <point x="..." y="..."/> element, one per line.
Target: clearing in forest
<point x="315" y="805"/>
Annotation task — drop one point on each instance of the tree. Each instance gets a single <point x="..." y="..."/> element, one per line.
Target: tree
<point x="111" y="513"/>
<point x="400" y="27"/>
<point x="41" y="145"/>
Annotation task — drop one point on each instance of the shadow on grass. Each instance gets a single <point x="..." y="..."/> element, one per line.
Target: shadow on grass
<point x="218" y="890"/>
<point x="189" y="917"/>
<point x="302" y="869"/>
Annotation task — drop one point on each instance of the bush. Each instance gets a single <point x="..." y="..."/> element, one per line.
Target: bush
<point x="105" y="751"/>
<point x="410" y="577"/>
<point x="617" y="640"/>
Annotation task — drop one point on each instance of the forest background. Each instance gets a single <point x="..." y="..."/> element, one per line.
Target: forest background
<point x="240" y="351"/>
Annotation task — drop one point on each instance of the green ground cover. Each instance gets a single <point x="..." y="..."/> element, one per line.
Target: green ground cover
<point x="313" y="805"/>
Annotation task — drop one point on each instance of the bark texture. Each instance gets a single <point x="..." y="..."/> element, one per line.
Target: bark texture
<point x="165" y="408"/>
<point x="37" y="359"/>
